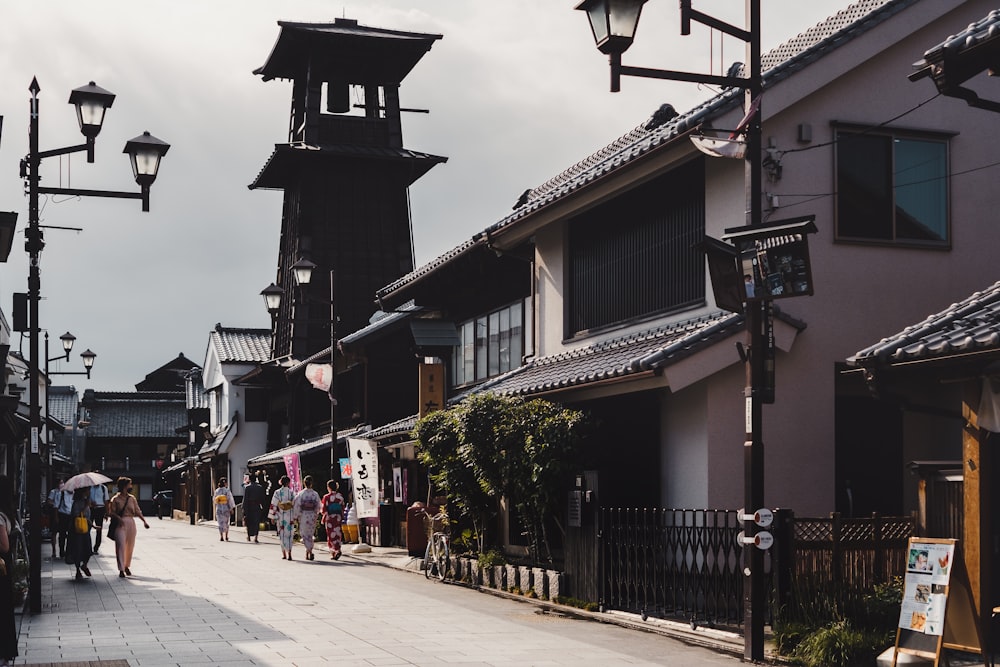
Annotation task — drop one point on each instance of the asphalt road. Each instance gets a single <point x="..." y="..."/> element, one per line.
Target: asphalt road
<point x="194" y="600"/>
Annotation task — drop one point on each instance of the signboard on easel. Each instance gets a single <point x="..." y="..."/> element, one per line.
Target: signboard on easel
<point x="937" y="610"/>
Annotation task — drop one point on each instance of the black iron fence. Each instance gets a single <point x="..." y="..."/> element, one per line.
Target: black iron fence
<point x="665" y="562"/>
<point x="688" y="563"/>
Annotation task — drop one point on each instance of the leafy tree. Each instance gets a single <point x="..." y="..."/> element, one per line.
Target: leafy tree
<point x="491" y="446"/>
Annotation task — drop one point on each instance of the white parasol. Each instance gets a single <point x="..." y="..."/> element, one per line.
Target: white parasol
<point x="84" y="480"/>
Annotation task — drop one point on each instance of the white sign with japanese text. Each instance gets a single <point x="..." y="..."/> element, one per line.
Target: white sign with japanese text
<point x="364" y="476"/>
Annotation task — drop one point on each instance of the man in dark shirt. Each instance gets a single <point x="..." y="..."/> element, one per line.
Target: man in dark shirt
<point x="254" y="502"/>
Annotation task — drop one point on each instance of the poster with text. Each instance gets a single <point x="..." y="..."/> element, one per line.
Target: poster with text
<point x="364" y="476"/>
<point x="928" y="573"/>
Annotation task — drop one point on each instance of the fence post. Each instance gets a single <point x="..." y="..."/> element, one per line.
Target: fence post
<point x="879" y="545"/>
<point x="836" y="554"/>
<point x="599" y="528"/>
<point x="784" y="538"/>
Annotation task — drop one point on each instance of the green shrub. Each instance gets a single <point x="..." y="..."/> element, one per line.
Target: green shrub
<point x="839" y="644"/>
<point x="788" y="635"/>
<point x="491" y="558"/>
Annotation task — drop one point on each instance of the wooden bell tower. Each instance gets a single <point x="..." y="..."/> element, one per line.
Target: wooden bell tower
<point x="344" y="172"/>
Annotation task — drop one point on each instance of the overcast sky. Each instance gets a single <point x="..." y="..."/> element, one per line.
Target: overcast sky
<point x="516" y="90"/>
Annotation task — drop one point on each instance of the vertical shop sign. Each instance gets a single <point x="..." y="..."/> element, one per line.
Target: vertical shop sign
<point x="364" y="476"/>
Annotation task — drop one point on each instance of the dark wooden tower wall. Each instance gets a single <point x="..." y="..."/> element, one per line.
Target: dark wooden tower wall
<point x="344" y="171"/>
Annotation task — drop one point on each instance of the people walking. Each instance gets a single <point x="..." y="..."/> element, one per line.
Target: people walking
<point x="254" y="502"/>
<point x="63" y="503"/>
<point x="333" y="516"/>
<point x="123" y="510"/>
<point x="282" y="503"/>
<point x="78" y="544"/>
<point x="225" y="504"/>
<point x="98" y="503"/>
<point x="304" y="511"/>
<point x="8" y="630"/>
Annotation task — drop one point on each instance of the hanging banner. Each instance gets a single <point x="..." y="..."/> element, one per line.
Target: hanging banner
<point x="364" y="476"/>
<point x="294" y="471"/>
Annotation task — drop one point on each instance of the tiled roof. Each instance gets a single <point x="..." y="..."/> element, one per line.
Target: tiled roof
<point x="62" y="404"/>
<point x="194" y="389"/>
<point x="241" y="345"/>
<point x="379" y="321"/>
<point x="617" y="357"/>
<point x="280" y="170"/>
<point x="970" y="326"/>
<point x="978" y="34"/>
<point x="432" y="266"/>
<point x="777" y="64"/>
<point x="398" y="427"/>
<point x="136" y="415"/>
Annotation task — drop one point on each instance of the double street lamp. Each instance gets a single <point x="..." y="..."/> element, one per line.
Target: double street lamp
<point x="302" y="270"/>
<point x="144" y="151"/>
<point x="613" y="24"/>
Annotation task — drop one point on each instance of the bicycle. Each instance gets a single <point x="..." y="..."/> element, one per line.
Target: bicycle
<point x="437" y="556"/>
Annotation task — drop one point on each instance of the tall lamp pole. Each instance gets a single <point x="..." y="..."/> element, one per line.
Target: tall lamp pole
<point x="613" y="23"/>
<point x="88" y="359"/>
<point x="302" y="270"/>
<point x="145" y="151"/>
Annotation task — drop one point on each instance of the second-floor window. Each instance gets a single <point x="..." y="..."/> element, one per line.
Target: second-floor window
<point x="637" y="255"/>
<point x="492" y="344"/>
<point x="892" y="187"/>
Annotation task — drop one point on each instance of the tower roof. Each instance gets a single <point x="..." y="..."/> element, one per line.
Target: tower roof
<point x="344" y="51"/>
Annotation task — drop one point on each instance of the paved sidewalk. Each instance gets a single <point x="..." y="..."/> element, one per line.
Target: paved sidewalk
<point x="177" y="609"/>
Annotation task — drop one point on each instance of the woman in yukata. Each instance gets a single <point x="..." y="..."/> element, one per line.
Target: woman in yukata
<point x="304" y="511"/>
<point x="225" y="504"/>
<point x="282" y="503"/>
<point x="333" y="515"/>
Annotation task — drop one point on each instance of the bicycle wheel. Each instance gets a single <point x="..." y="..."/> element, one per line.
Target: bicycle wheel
<point x="442" y="556"/>
<point x="429" y="558"/>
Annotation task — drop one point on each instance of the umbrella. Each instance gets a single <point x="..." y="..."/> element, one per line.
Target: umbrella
<point x="84" y="480"/>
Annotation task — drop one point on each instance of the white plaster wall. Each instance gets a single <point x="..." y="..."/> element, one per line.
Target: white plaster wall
<point x="685" y="452"/>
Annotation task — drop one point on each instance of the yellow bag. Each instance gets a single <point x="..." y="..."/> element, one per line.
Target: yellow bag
<point x="81" y="525"/>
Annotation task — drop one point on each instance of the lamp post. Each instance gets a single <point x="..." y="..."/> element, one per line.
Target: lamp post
<point x="613" y="24"/>
<point x="302" y="270"/>
<point x="88" y="359"/>
<point x="91" y="102"/>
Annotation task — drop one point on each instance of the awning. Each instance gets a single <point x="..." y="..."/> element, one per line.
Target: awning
<point x="181" y="465"/>
<point x="220" y="444"/>
<point x="307" y="447"/>
<point x="278" y="455"/>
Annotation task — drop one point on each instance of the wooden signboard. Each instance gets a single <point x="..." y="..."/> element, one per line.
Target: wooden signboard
<point x="937" y="609"/>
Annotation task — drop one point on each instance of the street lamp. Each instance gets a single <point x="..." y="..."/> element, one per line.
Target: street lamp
<point x="302" y="270"/>
<point x="91" y="102"/>
<point x="613" y="23"/>
<point x="88" y="359"/>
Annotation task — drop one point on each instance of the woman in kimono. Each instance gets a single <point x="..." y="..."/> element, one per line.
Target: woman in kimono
<point x="333" y="514"/>
<point x="282" y="503"/>
<point x="305" y="509"/>
<point x="79" y="544"/>
<point x="124" y="510"/>
<point x="225" y="504"/>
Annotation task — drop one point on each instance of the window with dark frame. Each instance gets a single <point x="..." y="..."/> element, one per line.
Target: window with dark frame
<point x="638" y="255"/>
<point x="491" y="344"/>
<point x="892" y="187"/>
